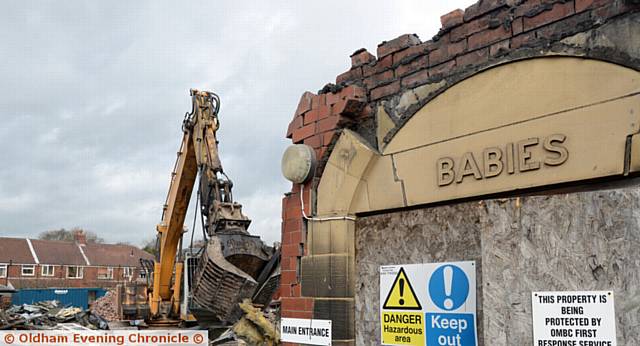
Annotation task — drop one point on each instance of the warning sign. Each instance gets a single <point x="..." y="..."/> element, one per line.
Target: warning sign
<point x="401" y="295"/>
<point x="428" y="304"/>
<point x="573" y="318"/>
<point x="402" y="328"/>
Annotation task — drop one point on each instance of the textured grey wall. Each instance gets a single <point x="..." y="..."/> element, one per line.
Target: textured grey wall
<point x="576" y="241"/>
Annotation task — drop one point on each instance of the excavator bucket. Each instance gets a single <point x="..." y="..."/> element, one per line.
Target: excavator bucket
<point x="227" y="274"/>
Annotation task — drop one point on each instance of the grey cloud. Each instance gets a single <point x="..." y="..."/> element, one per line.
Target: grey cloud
<point x="93" y="95"/>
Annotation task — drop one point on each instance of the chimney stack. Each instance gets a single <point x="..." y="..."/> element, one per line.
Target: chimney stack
<point x="80" y="237"/>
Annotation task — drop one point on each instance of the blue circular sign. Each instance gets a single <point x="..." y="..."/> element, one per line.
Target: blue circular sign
<point x="448" y="287"/>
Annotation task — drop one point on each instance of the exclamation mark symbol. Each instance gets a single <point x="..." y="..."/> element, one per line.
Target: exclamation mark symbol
<point x="448" y="280"/>
<point x="401" y="282"/>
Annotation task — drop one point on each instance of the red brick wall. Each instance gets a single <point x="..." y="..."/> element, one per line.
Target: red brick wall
<point x="59" y="279"/>
<point x="487" y="33"/>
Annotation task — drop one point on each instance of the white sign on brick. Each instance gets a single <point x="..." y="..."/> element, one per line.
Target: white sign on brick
<point x="305" y="331"/>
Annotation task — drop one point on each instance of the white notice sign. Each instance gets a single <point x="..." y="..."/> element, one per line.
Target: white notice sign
<point x="310" y="332"/>
<point x="573" y="318"/>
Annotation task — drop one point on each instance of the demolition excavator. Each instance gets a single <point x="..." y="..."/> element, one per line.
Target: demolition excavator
<point x="206" y="283"/>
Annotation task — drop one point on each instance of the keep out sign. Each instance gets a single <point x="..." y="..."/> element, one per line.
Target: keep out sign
<point x="428" y="304"/>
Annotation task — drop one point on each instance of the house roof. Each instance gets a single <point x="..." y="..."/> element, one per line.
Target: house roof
<point x="18" y="251"/>
<point x="15" y="250"/>
<point x="115" y="254"/>
<point x="57" y="252"/>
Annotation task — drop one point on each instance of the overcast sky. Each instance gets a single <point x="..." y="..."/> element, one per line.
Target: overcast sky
<point x="93" y="94"/>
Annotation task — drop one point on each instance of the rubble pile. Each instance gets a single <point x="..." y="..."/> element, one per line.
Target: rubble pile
<point x="107" y="307"/>
<point x="49" y="315"/>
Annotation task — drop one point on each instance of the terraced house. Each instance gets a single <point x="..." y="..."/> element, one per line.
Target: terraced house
<point x="33" y="263"/>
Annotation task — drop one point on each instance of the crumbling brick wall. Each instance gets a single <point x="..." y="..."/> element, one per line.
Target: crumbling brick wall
<point x="407" y="73"/>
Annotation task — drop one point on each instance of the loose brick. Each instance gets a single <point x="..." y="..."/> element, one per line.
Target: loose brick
<point x="295" y="124"/>
<point x="361" y="57"/>
<point x="474" y="58"/>
<point x="417" y="78"/>
<point x="296" y="238"/>
<point x="324" y="111"/>
<point x="327" y="137"/>
<point x="304" y="132"/>
<point x="447" y="52"/>
<point x="516" y="26"/>
<point x="311" y="116"/>
<point x="313" y="141"/>
<point x="380" y="65"/>
<point x="297" y="304"/>
<point x="442" y="68"/>
<point x="485" y="38"/>
<point x="288" y="263"/>
<point x="582" y="5"/>
<point x="523" y="40"/>
<point x="615" y="8"/>
<point x="333" y="98"/>
<point x="348" y="107"/>
<point x="401" y="42"/>
<point x="452" y="18"/>
<point x="328" y="124"/>
<point x="558" y="11"/>
<point x="499" y="48"/>
<point x="484" y="6"/>
<point x="288" y="276"/>
<point x="386" y="90"/>
<point x="296" y="290"/>
<point x="353" y="91"/>
<point x="377" y="79"/>
<point x="296" y="314"/>
<point x="412" y="52"/>
<point x="291" y="250"/>
<point x="469" y="28"/>
<point x="349" y="76"/>
<point x="413" y="66"/>
<point x="318" y="100"/>
<point x="291" y="225"/>
<point x="566" y="27"/>
<point x="305" y="102"/>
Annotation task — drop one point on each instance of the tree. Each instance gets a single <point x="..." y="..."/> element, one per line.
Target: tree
<point x="150" y="246"/>
<point x="68" y="235"/>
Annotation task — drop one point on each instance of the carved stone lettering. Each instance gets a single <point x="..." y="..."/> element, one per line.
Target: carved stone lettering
<point x="511" y="158"/>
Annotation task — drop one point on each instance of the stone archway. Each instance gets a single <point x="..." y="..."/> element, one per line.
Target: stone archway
<point x="573" y="119"/>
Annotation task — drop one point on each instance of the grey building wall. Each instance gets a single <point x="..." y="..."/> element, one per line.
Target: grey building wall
<point x="587" y="240"/>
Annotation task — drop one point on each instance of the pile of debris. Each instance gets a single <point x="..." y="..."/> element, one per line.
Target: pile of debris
<point x="49" y="315"/>
<point x="107" y="307"/>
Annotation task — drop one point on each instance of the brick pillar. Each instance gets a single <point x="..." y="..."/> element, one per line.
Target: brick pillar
<point x="317" y="120"/>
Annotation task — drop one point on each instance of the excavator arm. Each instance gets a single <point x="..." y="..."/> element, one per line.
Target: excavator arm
<point x="232" y="266"/>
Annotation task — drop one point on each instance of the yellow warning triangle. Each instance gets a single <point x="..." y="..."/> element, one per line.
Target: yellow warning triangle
<point x="401" y="295"/>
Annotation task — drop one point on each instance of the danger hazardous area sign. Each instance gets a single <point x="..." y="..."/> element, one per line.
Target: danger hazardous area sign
<point x="428" y="304"/>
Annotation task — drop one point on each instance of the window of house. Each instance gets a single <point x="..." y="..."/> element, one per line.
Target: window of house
<point x="105" y="273"/>
<point x="127" y="272"/>
<point x="75" y="272"/>
<point x="28" y="270"/>
<point x="47" y="270"/>
<point x="143" y="274"/>
<point x="3" y="270"/>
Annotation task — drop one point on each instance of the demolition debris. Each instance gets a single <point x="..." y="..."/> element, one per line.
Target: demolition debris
<point x="49" y="315"/>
